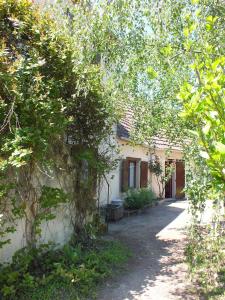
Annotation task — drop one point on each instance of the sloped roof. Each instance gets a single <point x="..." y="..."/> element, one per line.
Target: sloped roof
<point x="126" y="125"/>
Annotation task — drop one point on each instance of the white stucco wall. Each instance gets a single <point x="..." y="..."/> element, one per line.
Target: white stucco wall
<point x="58" y="231"/>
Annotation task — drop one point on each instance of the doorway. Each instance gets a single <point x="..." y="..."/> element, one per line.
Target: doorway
<point x="175" y="185"/>
<point x="169" y="184"/>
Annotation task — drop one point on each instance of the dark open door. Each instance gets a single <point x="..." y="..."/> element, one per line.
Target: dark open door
<point x="169" y="184"/>
<point x="180" y="179"/>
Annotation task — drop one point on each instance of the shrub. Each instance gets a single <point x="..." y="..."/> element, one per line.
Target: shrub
<point x="136" y="199"/>
<point x="70" y="272"/>
<point x="206" y="259"/>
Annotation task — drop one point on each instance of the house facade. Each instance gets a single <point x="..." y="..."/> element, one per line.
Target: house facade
<point x="133" y="170"/>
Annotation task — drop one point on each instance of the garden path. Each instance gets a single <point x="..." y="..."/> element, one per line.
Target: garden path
<point x="157" y="270"/>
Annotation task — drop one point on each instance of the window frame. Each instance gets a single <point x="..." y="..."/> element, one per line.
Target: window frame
<point x="135" y="174"/>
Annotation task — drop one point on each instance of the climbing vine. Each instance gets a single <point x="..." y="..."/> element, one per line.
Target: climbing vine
<point x="162" y="176"/>
<point x="50" y="97"/>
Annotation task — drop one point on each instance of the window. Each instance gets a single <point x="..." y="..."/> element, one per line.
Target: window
<point x="132" y="174"/>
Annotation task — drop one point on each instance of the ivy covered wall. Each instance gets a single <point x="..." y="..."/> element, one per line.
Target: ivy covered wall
<point x="54" y="115"/>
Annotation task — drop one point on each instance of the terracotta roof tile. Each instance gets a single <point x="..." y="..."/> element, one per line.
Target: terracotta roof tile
<point x="126" y="125"/>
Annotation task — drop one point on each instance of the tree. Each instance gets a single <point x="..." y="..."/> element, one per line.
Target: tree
<point x="52" y="90"/>
<point x="162" y="176"/>
<point x="174" y="74"/>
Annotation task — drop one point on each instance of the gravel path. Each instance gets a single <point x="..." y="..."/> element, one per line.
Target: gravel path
<point x="157" y="270"/>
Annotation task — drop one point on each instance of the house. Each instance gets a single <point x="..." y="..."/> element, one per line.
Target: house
<point x="133" y="170"/>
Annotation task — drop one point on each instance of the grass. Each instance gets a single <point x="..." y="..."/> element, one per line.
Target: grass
<point x="71" y="273"/>
<point x="206" y="258"/>
<point x="218" y="292"/>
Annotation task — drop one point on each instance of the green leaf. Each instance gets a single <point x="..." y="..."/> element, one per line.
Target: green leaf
<point x="204" y="154"/>
<point x="186" y="31"/>
<point x="206" y="128"/>
<point x="220" y="147"/>
<point x="151" y="73"/>
<point x="193" y="132"/>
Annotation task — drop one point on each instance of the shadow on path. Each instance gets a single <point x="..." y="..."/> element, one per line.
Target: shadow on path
<point x="156" y="271"/>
